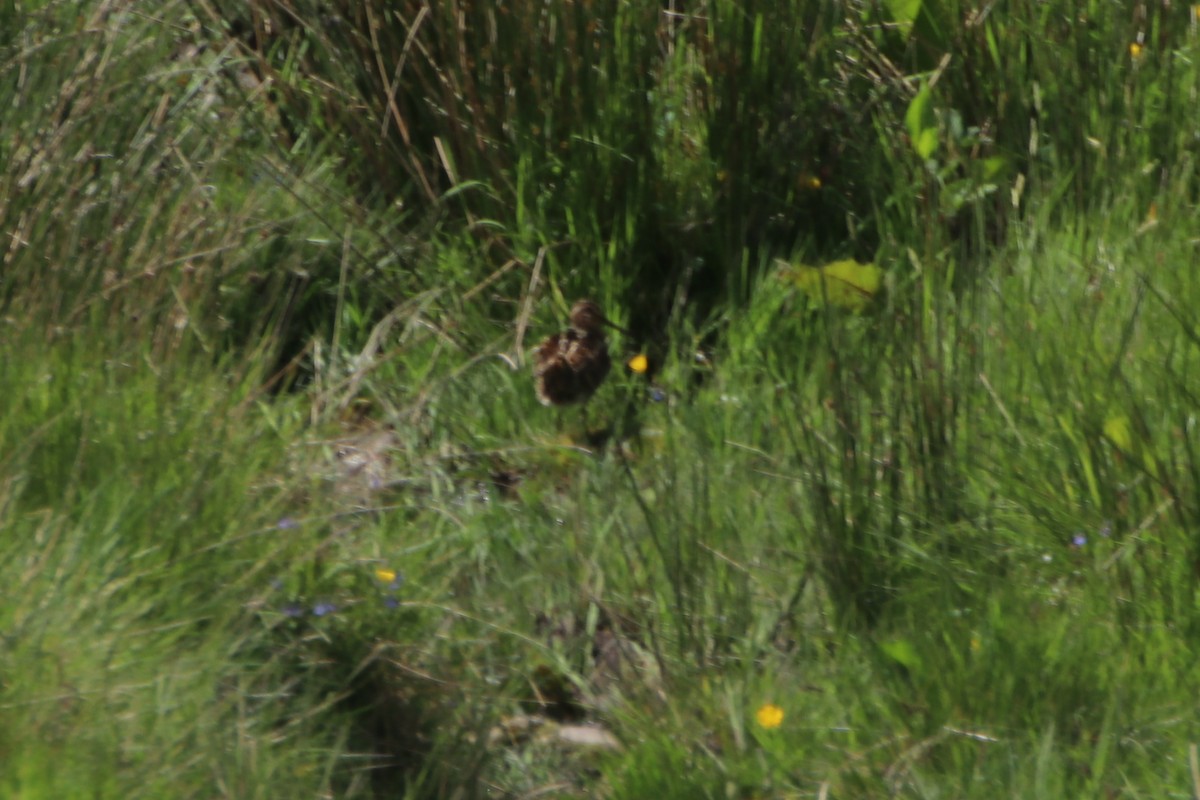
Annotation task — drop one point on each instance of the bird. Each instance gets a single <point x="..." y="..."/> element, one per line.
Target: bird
<point x="569" y="367"/>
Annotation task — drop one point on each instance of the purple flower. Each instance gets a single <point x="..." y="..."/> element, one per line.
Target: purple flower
<point x="1079" y="540"/>
<point x="287" y="523"/>
<point x="321" y="609"/>
<point x="391" y="602"/>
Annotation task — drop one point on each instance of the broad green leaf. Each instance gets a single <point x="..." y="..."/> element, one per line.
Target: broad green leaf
<point x="922" y="123"/>
<point x="994" y="166"/>
<point x="903" y="13"/>
<point x="843" y="284"/>
<point x="902" y="652"/>
<point x="1118" y="431"/>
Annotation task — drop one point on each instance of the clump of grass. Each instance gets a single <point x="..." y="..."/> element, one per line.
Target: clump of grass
<point x="944" y="534"/>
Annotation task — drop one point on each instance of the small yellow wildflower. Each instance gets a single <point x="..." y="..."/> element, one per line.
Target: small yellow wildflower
<point x="976" y="644"/>
<point x="639" y="363"/>
<point x="1136" y="50"/>
<point x="385" y="575"/>
<point x="769" y="716"/>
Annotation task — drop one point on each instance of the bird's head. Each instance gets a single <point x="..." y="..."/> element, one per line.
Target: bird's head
<point x="586" y="317"/>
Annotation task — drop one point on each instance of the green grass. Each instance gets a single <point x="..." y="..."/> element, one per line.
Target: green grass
<point x="282" y="516"/>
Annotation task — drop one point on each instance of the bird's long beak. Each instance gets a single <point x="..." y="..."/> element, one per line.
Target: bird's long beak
<point x="613" y="325"/>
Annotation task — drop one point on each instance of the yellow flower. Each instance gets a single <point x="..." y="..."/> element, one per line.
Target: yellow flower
<point x="385" y="575"/>
<point x="639" y="363"/>
<point x="769" y="716"/>
<point x="1135" y="50"/>
<point x="976" y="644"/>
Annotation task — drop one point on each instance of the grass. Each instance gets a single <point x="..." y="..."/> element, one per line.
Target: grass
<point x="283" y="517"/>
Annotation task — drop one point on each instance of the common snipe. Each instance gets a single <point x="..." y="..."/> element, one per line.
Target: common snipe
<point x="570" y="366"/>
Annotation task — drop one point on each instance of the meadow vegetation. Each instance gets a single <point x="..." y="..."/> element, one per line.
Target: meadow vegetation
<point x="281" y="515"/>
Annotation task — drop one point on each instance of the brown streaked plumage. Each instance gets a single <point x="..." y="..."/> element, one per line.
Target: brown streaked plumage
<point x="570" y="366"/>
